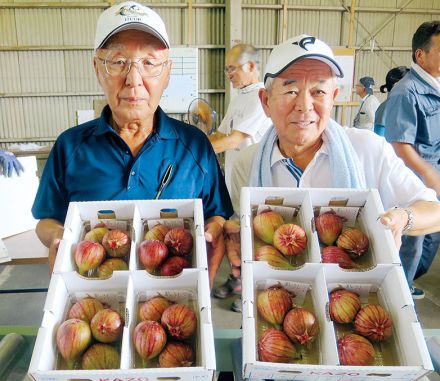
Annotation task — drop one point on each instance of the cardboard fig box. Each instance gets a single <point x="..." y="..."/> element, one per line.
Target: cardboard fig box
<point x="127" y="288"/>
<point x="405" y="357"/>
<point x="362" y="207"/>
<point x="132" y="216"/>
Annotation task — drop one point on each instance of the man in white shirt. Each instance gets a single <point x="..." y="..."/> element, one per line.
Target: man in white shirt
<point x="245" y="122"/>
<point x="364" y="118"/>
<point x="306" y="148"/>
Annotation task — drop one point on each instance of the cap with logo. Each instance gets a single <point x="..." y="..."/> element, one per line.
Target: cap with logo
<point x="297" y="48"/>
<point x="129" y="15"/>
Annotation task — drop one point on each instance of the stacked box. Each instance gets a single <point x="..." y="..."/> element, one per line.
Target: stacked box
<point x="125" y="290"/>
<point x="405" y="357"/>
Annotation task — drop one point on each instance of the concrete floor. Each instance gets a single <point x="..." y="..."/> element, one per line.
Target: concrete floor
<point x="27" y="308"/>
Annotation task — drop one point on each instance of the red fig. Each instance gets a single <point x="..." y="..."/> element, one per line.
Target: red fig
<point x="301" y="325"/>
<point x="344" y="305"/>
<point x="153" y="308"/>
<point x="100" y="356"/>
<point x="266" y="223"/>
<point x="157" y="232"/>
<point x="73" y="337"/>
<point x="329" y="226"/>
<point x="96" y="234"/>
<point x="333" y="254"/>
<point x="275" y="346"/>
<point x="152" y="254"/>
<point x="107" y="326"/>
<point x="355" y="350"/>
<point x="85" y="309"/>
<point x="116" y="243"/>
<point x="179" y="241"/>
<point x="88" y="256"/>
<point x="290" y="239"/>
<point x="173" y="266"/>
<point x="180" y="321"/>
<point x="353" y="241"/>
<point x="273" y="257"/>
<point x="105" y="270"/>
<point x="273" y="304"/>
<point x="149" y="339"/>
<point x="175" y="355"/>
<point x="374" y="322"/>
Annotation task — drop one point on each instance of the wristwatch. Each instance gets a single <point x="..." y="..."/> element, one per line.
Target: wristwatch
<point x="410" y="221"/>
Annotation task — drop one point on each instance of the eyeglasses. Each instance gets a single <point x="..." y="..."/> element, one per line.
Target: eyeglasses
<point x="231" y="69"/>
<point x="121" y="67"/>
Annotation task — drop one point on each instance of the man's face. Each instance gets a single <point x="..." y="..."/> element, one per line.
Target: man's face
<point x="300" y="102"/>
<point x="238" y="74"/>
<point x="360" y="90"/>
<point x="133" y="97"/>
<point x="430" y="60"/>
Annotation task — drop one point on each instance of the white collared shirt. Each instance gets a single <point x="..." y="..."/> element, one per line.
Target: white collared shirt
<point x="396" y="183"/>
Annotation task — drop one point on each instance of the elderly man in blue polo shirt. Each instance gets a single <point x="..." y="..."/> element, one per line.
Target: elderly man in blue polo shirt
<point x="133" y="150"/>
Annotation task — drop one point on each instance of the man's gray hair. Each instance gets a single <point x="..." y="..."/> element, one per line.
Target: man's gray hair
<point x="246" y="53"/>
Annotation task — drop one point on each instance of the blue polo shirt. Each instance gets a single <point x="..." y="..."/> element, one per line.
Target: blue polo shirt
<point x="91" y="162"/>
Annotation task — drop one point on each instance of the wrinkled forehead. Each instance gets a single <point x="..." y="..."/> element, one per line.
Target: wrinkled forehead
<point x="309" y="69"/>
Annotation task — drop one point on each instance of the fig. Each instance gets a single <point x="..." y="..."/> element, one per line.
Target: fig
<point x="344" y="305"/>
<point x="275" y="346"/>
<point x="374" y="323"/>
<point x="355" y="350"/>
<point x="353" y="241"/>
<point x="157" y="232"/>
<point x="107" y="325"/>
<point x="329" y="226"/>
<point x="334" y="254"/>
<point x="116" y="243"/>
<point x="179" y="241"/>
<point x="88" y="256"/>
<point x="105" y="270"/>
<point x="180" y="321"/>
<point x="173" y="266"/>
<point x="73" y="337"/>
<point x="175" y="355"/>
<point x="153" y="308"/>
<point x="273" y="257"/>
<point x="85" y="309"/>
<point x="266" y="223"/>
<point x="96" y="234"/>
<point x="152" y="254"/>
<point x="100" y="356"/>
<point x="273" y="304"/>
<point x="149" y="339"/>
<point x="290" y="239"/>
<point x="301" y="325"/>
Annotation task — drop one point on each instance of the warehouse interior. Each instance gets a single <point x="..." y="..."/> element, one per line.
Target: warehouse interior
<point x="47" y="84"/>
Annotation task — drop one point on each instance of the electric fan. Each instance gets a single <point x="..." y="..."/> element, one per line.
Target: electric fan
<point x="202" y="116"/>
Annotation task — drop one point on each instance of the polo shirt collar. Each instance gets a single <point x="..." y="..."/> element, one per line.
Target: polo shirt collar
<point x="164" y="129"/>
<point x="277" y="156"/>
<point x="422" y="86"/>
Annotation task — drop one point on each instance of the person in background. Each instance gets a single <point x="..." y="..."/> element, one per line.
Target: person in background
<point x="244" y="124"/>
<point x="9" y="163"/>
<point x="306" y="148"/>
<point x="412" y="121"/>
<point x="133" y="150"/>
<point x="393" y="76"/>
<point x="364" y="118"/>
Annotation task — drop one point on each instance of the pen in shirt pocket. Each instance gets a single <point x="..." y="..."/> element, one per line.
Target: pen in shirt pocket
<point x="165" y="179"/>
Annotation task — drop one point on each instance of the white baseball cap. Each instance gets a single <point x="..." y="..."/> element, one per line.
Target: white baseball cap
<point x="297" y="48"/>
<point x="129" y="15"/>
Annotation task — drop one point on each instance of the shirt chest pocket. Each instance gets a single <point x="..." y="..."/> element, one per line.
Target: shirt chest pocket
<point x="432" y="121"/>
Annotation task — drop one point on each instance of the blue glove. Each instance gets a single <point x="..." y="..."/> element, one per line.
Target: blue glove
<point x="9" y="162"/>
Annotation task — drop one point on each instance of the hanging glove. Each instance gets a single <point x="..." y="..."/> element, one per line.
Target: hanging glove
<point x="9" y="162"/>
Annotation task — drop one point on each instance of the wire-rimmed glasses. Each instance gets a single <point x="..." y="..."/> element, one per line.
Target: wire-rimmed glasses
<point x="121" y="66"/>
